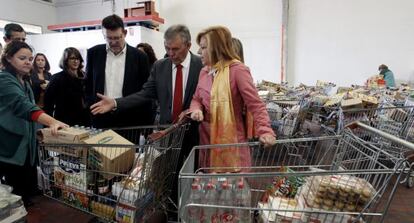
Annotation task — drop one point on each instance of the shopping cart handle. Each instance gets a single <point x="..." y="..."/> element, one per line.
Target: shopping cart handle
<point x="153" y="137"/>
<point x="352" y="125"/>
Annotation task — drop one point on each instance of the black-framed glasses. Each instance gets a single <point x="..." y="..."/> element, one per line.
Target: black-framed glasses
<point x="18" y="39"/>
<point x="74" y="58"/>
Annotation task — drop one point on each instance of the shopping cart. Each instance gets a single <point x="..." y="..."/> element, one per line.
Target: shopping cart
<point x="391" y="119"/>
<point x="322" y="179"/>
<point x="122" y="183"/>
<point x="284" y="116"/>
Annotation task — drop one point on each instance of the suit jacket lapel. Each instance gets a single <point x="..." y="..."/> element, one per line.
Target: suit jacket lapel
<point x="127" y="72"/>
<point x="191" y="80"/>
<point x="169" y="81"/>
<point x="100" y="69"/>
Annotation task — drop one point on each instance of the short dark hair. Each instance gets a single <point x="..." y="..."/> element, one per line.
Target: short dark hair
<point x="383" y="67"/>
<point x="36" y="68"/>
<point x="113" y="22"/>
<point x="149" y="51"/>
<point x="180" y="30"/>
<point x="65" y="58"/>
<point x="12" y="27"/>
<point x="9" y="50"/>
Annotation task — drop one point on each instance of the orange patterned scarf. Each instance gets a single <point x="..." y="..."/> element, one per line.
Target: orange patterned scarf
<point x="223" y="129"/>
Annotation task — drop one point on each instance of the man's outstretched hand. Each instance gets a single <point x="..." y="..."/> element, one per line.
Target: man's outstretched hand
<point x="105" y="105"/>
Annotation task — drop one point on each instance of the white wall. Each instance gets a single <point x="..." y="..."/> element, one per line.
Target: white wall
<point x="346" y="40"/>
<point x="337" y="40"/>
<point x="256" y="25"/>
<point x="53" y="44"/>
<point x="28" y="11"/>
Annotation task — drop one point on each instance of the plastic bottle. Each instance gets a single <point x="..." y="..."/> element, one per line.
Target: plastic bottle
<point x="242" y="199"/>
<point x="226" y="199"/>
<point x="210" y="213"/>
<point x="195" y="214"/>
<point x="141" y="140"/>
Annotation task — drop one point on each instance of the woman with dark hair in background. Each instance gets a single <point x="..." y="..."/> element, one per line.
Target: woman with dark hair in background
<point x="147" y="49"/>
<point x="238" y="48"/>
<point x="65" y="95"/>
<point x="18" y="151"/>
<point x="40" y="77"/>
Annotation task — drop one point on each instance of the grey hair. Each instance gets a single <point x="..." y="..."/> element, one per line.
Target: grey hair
<point x="180" y="30"/>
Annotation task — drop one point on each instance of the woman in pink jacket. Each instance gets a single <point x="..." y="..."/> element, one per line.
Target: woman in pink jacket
<point x="224" y="88"/>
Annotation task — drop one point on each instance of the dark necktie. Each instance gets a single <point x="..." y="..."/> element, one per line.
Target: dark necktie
<point x="178" y="93"/>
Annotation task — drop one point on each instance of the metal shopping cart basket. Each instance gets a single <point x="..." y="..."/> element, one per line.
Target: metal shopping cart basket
<point x="403" y="130"/>
<point x="119" y="182"/>
<point x="389" y="118"/>
<point x="322" y="179"/>
<point x="284" y="116"/>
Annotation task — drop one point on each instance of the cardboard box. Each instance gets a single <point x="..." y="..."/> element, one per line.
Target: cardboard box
<point x="351" y="103"/>
<point x="75" y="198"/>
<point x="125" y="213"/>
<point x="113" y="159"/>
<point x="277" y="205"/>
<point x="65" y="136"/>
<point x="68" y="135"/>
<point x="103" y="210"/>
<point x="70" y="172"/>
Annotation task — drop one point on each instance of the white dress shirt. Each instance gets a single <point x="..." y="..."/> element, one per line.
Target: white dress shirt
<point x="186" y="70"/>
<point x="114" y="73"/>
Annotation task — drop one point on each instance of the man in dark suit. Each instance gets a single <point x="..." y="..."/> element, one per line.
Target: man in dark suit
<point x="177" y="41"/>
<point x="162" y="84"/>
<point x="117" y="70"/>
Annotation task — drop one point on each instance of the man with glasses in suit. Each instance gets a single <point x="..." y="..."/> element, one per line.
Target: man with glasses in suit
<point x="116" y="69"/>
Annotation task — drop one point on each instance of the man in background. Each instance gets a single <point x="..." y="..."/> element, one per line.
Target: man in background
<point x="117" y="70"/>
<point x="14" y="32"/>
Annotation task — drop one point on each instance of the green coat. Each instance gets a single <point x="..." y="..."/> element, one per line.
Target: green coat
<point x="388" y="77"/>
<point x="17" y="131"/>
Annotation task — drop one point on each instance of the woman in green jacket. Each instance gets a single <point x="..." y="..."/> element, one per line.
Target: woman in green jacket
<point x="18" y="114"/>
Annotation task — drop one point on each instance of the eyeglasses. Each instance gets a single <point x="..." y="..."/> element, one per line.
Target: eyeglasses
<point x="73" y="58"/>
<point x="113" y="38"/>
<point x="18" y="39"/>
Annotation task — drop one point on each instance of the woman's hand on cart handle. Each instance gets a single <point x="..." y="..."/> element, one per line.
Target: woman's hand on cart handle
<point x="184" y="117"/>
<point x="268" y="140"/>
<point x="103" y="106"/>
<point x="197" y="115"/>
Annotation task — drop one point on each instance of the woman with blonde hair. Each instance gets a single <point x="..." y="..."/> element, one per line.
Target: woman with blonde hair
<point x="225" y="87"/>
